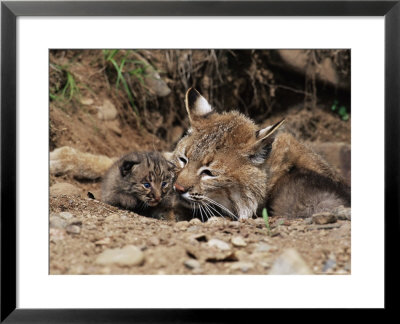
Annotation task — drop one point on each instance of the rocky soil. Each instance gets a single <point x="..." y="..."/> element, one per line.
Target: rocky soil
<point x="90" y="237"/>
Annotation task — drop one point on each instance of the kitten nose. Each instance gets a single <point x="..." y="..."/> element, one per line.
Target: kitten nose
<point x="179" y="188"/>
<point x="158" y="198"/>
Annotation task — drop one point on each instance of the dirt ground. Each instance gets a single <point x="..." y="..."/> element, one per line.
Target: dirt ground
<point x="87" y="236"/>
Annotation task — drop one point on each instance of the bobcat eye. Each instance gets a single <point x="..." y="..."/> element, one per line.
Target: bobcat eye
<point x="164" y="184"/>
<point x="207" y="172"/>
<point x="147" y="185"/>
<point x="183" y="161"/>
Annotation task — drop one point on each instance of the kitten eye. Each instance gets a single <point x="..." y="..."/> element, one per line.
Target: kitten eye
<point x="164" y="184"/>
<point x="207" y="172"/>
<point x="147" y="185"/>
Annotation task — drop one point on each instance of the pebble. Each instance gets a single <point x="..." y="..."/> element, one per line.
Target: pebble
<point x="215" y="220"/>
<point x="194" y="229"/>
<point x="264" y="247"/>
<point x="219" y="244"/>
<point x="238" y="241"/>
<point x="57" y="234"/>
<point x="182" y="225"/>
<point x="290" y="262"/>
<point x="112" y="218"/>
<point x="242" y="266"/>
<point x="324" y="218"/>
<point x="73" y="229"/>
<point x="308" y="221"/>
<point x="329" y="265"/>
<point x="154" y="241"/>
<point x="234" y="224"/>
<point x="129" y="255"/>
<point x="192" y="264"/>
<point x="195" y="221"/>
<point x="66" y="215"/>
<point x="107" y="111"/>
<point x="57" y="222"/>
<point x="103" y="241"/>
<point x="87" y="101"/>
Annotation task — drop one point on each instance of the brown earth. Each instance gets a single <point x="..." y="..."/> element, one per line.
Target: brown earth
<point x="81" y="229"/>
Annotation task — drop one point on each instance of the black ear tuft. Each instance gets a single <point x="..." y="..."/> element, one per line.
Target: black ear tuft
<point x="192" y="96"/>
<point x="126" y="167"/>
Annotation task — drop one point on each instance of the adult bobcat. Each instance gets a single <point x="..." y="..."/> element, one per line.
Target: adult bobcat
<point x="230" y="166"/>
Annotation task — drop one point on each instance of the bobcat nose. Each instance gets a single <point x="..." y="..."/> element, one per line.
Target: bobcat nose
<point x="179" y="188"/>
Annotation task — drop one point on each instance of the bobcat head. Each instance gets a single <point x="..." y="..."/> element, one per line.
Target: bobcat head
<point x="221" y="161"/>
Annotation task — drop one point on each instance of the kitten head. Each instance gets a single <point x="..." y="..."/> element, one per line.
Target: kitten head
<point x="147" y="176"/>
<point x="221" y="160"/>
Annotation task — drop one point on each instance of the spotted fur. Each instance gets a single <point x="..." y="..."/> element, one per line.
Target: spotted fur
<point x="230" y="166"/>
<point x="125" y="183"/>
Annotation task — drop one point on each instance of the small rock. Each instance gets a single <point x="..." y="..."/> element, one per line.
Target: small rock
<point x="290" y="262"/>
<point x="64" y="188"/>
<point x="103" y="241"/>
<point x="87" y="101"/>
<point x="195" y="221"/>
<point x="107" y="111"/>
<point x="73" y="229"/>
<point x="182" y="225"/>
<point x="127" y="256"/>
<point x="57" y="222"/>
<point x="112" y="218"/>
<point x="234" y="224"/>
<point x="238" y="241"/>
<point x="192" y="264"/>
<point x="264" y="247"/>
<point x="154" y="241"/>
<point x="66" y="215"/>
<point x="242" y="266"/>
<point x="194" y="229"/>
<point x="57" y="234"/>
<point x="324" y="218"/>
<point x="215" y="220"/>
<point x="329" y="265"/>
<point x="308" y="221"/>
<point x="219" y="244"/>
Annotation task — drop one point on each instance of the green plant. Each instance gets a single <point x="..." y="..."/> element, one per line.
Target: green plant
<point x="341" y="110"/>
<point x="119" y="65"/>
<point x="69" y="90"/>
<point x="266" y="220"/>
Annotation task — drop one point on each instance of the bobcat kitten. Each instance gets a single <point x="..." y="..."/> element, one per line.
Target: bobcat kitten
<point x="230" y="166"/>
<point x="141" y="182"/>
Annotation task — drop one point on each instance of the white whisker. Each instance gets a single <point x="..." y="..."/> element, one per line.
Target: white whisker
<point x="207" y="210"/>
<point x="202" y="219"/>
<point x="215" y="210"/>
<point x="223" y="208"/>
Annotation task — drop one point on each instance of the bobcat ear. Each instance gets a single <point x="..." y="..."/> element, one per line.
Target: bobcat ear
<point x="263" y="146"/>
<point x="268" y="131"/>
<point x="196" y="104"/>
<point x="126" y="167"/>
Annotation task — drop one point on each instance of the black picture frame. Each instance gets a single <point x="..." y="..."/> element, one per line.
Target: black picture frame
<point x="10" y="10"/>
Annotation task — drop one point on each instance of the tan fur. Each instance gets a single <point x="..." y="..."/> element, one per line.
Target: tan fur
<point x="244" y="165"/>
<point x="67" y="160"/>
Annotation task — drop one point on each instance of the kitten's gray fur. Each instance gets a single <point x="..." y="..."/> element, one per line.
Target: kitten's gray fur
<point x="124" y="184"/>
